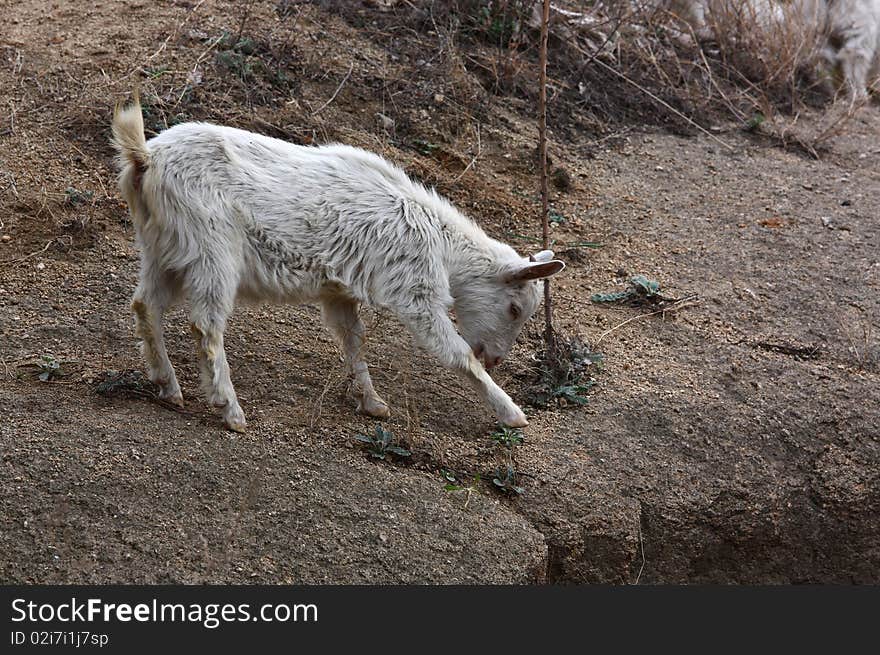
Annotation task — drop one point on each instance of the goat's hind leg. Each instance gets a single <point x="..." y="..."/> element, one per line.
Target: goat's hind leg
<point x="341" y="316"/>
<point x="208" y="317"/>
<point x="149" y="303"/>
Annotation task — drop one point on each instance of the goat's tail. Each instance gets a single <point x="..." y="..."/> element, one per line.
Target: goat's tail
<point x="134" y="157"/>
<point x="128" y="135"/>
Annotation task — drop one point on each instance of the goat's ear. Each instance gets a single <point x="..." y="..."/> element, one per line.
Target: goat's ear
<point x="543" y="256"/>
<point x="535" y="271"/>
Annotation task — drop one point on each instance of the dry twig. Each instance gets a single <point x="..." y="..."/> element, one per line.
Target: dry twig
<point x="336" y="92"/>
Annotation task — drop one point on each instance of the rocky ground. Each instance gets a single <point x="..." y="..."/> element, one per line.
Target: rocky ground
<point x="732" y="438"/>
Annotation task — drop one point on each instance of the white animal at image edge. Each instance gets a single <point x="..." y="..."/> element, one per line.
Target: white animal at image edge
<point x="224" y="214"/>
<point x="850" y="29"/>
<point x="853" y="43"/>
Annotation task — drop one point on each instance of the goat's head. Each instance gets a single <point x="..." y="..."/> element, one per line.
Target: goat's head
<point x="492" y="309"/>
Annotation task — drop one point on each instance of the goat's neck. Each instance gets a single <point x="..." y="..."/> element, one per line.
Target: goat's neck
<point x="465" y="257"/>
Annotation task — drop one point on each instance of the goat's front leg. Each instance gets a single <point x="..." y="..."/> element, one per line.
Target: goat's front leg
<point x="435" y="333"/>
<point x="341" y="316"/>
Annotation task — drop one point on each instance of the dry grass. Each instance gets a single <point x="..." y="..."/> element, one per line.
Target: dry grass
<point x="641" y="61"/>
<point x="740" y="64"/>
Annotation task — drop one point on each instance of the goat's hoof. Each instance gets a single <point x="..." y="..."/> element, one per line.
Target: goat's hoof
<point x="513" y="418"/>
<point x="236" y="425"/>
<point x="235" y="420"/>
<point x="173" y="397"/>
<point x="374" y="407"/>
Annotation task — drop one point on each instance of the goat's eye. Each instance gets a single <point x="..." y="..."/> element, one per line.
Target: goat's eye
<point x="515" y="312"/>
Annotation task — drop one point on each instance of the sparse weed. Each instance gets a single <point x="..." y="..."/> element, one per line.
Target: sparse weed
<point x="48" y="368"/>
<point x="234" y="52"/>
<point x="564" y="374"/>
<point x="45" y="369"/>
<point x="555" y="217"/>
<point x="380" y="445"/>
<point x="236" y="62"/>
<point x="449" y="476"/>
<point x="75" y="198"/>
<point x="505" y="481"/>
<point x="242" y="44"/>
<point x="113" y="382"/>
<point x="157" y="72"/>
<point x="508" y="437"/>
<point x="424" y="147"/>
<point x="453" y="484"/>
<point x="755" y="122"/>
<point x="640" y="288"/>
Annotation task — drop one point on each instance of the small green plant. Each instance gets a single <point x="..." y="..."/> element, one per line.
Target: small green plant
<point x="755" y="122"/>
<point x="380" y="445"/>
<point x="502" y="23"/>
<point x="555" y="217"/>
<point x="508" y="437"/>
<point x="564" y="374"/>
<point x="424" y="147"/>
<point x="74" y="198"/>
<point x="48" y="368"/>
<point x="571" y="394"/>
<point x="110" y="383"/>
<point x="455" y="485"/>
<point x="237" y="62"/>
<point x="280" y="78"/>
<point x="640" y="288"/>
<point x="242" y="44"/>
<point x="449" y="476"/>
<point x="157" y="72"/>
<point x="505" y="481"/>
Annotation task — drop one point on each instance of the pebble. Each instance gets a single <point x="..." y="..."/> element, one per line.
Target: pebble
<point x="6" y="238"/>
<point x="385" y="121"/>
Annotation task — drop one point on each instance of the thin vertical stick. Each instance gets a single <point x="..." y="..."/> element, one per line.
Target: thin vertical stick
<point x="542" y="148"/>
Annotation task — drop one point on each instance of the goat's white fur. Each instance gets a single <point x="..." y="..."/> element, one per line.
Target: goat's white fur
<point x="222" y="213"/>
<point x="853" y="42"/>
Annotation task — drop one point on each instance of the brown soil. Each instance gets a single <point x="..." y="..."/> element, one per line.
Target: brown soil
<point x="733" y="440"/>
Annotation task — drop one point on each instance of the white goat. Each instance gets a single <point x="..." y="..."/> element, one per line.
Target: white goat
<point x="222" y="213"/>
<point x="704" y="15"/>
<point x="853" y="42"/>
<point x="850" y="29"/>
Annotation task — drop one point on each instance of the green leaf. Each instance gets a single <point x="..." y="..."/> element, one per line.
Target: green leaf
<point x="364" y="438"/>
<point x="610" y="297"/>
<point x="755" y="121"/>
<point x="425" y="148"/>
<point x="649" y="287"/>
<point x="453" y="487"/>
<point x="555" y="217"/>
<point x="397" y="450"/>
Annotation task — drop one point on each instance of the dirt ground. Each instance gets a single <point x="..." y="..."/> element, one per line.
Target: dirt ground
<point x="734" y="440"/>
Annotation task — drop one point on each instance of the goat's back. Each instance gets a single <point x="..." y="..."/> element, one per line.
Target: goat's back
<point x="292" y="218"/>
